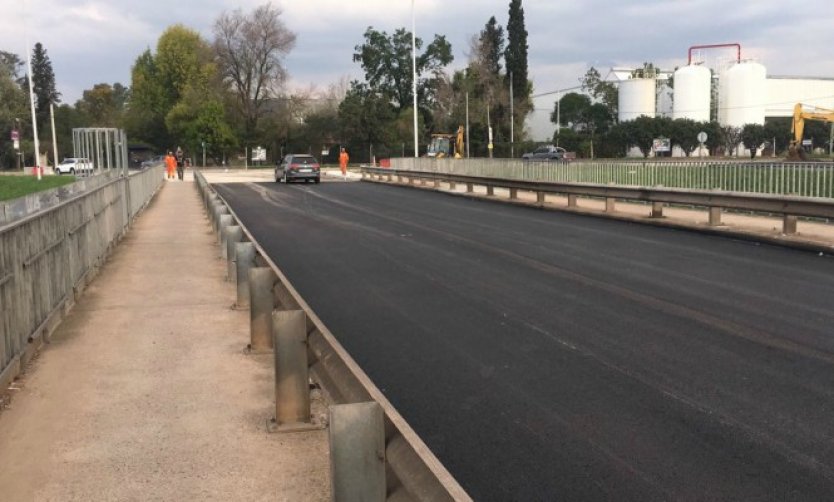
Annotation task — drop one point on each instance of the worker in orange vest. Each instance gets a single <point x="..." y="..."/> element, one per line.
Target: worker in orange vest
<point x="170" y="165"/>
<point x="343" y="162"/>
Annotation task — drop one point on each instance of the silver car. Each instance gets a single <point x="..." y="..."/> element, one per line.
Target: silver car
<point x="74" y="165"/>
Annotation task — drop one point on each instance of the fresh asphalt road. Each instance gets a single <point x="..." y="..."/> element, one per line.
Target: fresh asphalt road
<point x="552" y="356"/>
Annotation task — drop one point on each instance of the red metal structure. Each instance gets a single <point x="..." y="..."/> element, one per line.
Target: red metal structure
<point x="713" y="46"/>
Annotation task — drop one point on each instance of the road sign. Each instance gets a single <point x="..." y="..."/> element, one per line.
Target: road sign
<point x="15" y="135"/>
<point x="661" y="145"/>
<point x="258" y="154"/>
<point x="702" y="137"/>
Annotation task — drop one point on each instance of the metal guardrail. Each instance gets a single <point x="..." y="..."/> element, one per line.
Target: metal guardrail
<point x="412" y="472"/>
<point x="788" y="206"/>
<point x="48" y="257"/>
<point x="806" y="179"/>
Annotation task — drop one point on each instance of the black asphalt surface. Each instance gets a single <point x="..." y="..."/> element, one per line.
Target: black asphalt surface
<point x="552" y="356"/>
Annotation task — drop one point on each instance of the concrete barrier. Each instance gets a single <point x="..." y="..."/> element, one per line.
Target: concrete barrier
<point x="47" y="257"/>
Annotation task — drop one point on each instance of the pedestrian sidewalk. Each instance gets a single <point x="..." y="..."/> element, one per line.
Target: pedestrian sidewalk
<point x="146" y="392"/>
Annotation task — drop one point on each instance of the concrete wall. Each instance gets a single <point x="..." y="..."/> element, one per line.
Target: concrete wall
<point x="48" y="256"/>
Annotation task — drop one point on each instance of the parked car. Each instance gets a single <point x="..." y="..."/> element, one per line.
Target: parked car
<point x="74" y="165"/>
<point x="547" y="152"/>
<point x="153" y="161"/>
<point x="298" y="167"/>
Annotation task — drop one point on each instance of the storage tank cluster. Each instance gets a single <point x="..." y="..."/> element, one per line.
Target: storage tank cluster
<point x="741" y="94"/>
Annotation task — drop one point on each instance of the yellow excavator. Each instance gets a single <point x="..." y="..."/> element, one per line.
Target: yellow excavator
<point x="447" y="145"/>
<point x="800" y="115"/>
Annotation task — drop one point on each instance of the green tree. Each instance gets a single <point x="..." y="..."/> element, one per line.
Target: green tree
<point x="600" y="90"/>
<point x="387" y="63"/>
<point x="144" y="117"/>
<point x="779" y="128"/>
<point x="491" y="46"/>
<point x="365" y="116"/>
<point x="684" y="134"/>
<point x="641" y="133"/>
<point x="43" y="83"/>
<point x="103" y="105"/>
<point x="753" y="135"/>
<point x="13" y="114"/>
<point x="715" y="136"/>
<point x="516" y="52"/>
<point x="732" y="137"/>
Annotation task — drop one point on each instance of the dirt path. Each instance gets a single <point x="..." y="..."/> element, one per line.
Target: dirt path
<point x="146" y="393"/>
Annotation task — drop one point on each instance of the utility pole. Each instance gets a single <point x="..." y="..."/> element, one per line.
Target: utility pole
<point x="489" y="130"/>
<point x="512" y="120"/>
<point x="414" y="76"/>
<point x="32" y="97"/>
<point x="54" y="138"/>
<point x="467" y="124"/>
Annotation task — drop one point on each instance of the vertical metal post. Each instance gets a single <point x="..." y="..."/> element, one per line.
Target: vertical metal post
<point x="657" y="210"/>
<point x="572" y="200"/>
<point x="292" y="387"/>
<point x="244" y="261"/>
<point x="234" y="234"/>
<point x="225" y="221"/>
<point x="357" y="452"/>
<point x="540" y="198"/>
<point x="261" y="304"/>
<point x="789" y="224"/>
<point x="609" y="205"/>
<point x="513" y="193"/>
<point x="714" y="216"/>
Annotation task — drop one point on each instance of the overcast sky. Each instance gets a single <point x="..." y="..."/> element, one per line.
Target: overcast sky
<point x="92" y="41"/>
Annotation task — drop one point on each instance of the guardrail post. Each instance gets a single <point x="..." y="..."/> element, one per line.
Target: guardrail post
<point x="234" y="234"/>
<point x="261" y="304"/>
<point x="244" y="261"/>
<point x="789" y="224"/>
<point x="490" y="190"/>
<point x="572" y="200"/>
<point x="292" y="385"/>
<point x="657" y="210"/>
<point x="357" y="452"/>
<point x="609" y="204"/>
<point x="389" y="177"/>
<point x="225" y="221"/>
<point x="469" y="188"/>
<point x="513" y="193"/>
<point x="714" y="216"/>
<point x="412" y="180"/>
<point x="540" y="198"/>
<point x="399" y="179"/>
<point x="453" y="186"/>
<point x="219" y="211"/>
<point x="436" y="183"/>
<point x="364" y="174"/>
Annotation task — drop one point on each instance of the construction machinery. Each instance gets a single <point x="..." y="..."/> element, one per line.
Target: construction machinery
<point x="800" y="115"/>
<point x="447" y="145"/>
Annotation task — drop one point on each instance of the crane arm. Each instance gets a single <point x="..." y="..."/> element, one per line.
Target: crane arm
<point x="800" y="116"/>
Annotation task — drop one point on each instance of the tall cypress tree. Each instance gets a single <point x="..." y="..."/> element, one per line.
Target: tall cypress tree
<point x="491" y="42"/>
<point x="43" y="81"/>
<point x="516" y="53"/>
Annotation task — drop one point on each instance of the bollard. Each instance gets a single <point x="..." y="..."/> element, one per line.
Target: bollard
<point x="789" y="225"/>
<point x="572" y="200"/>
<point x="513" y="193"/>
<point x="234" y="234"/>
<point x="261" y="303"/>
<point x="225" y="221"/>
<point x="490" y="190"/>
<point x="244" y="261"/>
<point x="292" y="383"/>
<point x="657" y="210"/>
<point x="609" y="204"/>
<point x="357" y="452"/>
<point x="714" y="216"/>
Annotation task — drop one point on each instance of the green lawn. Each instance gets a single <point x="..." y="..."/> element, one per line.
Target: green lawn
<point x="12" y="187"/>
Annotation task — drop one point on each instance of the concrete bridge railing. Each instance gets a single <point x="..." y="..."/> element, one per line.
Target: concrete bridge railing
<point x="52" y="247"/>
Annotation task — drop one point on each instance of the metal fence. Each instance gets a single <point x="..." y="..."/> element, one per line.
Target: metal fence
<point x="47" y="257"/>
<point x="806" y="179"/>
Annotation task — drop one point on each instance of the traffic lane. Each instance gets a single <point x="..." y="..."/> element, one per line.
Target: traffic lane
<point x="477" y="333"/>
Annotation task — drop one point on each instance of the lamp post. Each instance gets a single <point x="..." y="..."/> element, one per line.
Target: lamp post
<point x="414" y="75"/>
<point x="32" y="96"/>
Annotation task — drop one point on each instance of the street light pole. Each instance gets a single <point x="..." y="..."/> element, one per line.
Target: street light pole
<point x="512" y="120"/>
<point x="32" y="95"/>
<point x="414" y="75"/>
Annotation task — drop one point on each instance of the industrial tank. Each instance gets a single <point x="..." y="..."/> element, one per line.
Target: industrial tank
<point x="636" y="97"/>
<point x="693" y="88"/>
<point x="742" y="94"/>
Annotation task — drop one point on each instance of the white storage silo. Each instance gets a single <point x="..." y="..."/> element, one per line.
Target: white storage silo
<point x="742" y="90"/>
<point x="693" y="89"/>
<point x="637" y="97"/>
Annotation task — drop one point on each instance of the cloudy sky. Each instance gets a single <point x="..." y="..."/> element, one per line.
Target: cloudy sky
<point x="92" y="41"/>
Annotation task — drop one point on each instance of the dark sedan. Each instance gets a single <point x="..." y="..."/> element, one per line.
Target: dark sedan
<point x="298" y="167"/>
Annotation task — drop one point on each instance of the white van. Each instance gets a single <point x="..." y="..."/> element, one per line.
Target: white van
<point x="74" y="165"/>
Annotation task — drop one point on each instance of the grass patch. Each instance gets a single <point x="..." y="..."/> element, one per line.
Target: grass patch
<point x="12" y="187"/>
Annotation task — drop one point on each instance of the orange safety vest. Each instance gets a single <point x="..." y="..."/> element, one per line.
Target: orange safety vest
<point x="170" y="162"/>
<point x="343" y="159"/>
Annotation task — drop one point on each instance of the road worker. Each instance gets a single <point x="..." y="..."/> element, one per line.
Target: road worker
<point x="170" y="165"/>
<point x="343" y="162"/>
